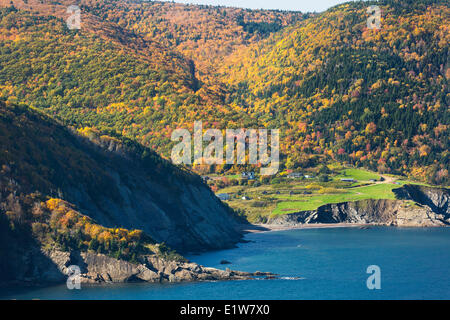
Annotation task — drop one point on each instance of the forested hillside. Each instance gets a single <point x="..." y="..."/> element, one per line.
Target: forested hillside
<point x="111" y="181"/>
<point x="376" y="98"/>
<point x="205" y="34"/>
<point x="105" y="77"/>
<point x="337" y="90"/>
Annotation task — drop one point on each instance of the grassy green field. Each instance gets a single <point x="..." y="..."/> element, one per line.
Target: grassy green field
<point x="312" y="202"/>
<point x="229" y="176"/>
<point x="293" y="195"/>
<point x="357" y="174"/>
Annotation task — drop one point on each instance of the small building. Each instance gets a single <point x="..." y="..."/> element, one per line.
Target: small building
<point x="248" y="175"/>
<point x="223" y="196"/>
<point x="246" y="198"/>
<point x="307" y="176"/>
<point x="295" y="175"/>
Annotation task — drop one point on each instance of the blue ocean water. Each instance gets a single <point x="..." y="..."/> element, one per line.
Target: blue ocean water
<point x="312" y="264"/>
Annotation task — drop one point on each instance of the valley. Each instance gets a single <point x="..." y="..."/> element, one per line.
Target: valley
<point x="88" y="118"/>
<point x="264" y="200"/>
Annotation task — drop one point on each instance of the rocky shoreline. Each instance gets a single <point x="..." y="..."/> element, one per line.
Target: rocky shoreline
<point x="101" y="269"/>
<point x="266" y="227"/>
<point x="416" y="206"/>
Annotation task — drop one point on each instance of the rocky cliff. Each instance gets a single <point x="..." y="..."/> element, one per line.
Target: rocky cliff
<point x="100" y="201"/>
<point x="417" y="207"/>
<point x="438" y="199"/>
<point x="115" y="181"/>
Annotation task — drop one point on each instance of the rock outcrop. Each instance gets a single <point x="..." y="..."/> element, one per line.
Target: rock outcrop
<point x="98" y="268"/>
<point x="438" y="199"/>
<point x="419" y="207"/>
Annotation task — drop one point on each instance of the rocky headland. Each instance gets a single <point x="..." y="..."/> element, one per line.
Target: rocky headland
<point x="416" y="206"/>
<point x="53" y="266"/>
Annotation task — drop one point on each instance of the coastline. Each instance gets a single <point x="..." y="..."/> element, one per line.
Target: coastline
<point x="263" y="228"/>
<point x="258" y="228"/>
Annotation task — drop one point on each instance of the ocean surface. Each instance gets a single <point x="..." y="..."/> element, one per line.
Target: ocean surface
<point x="312" y="264"/>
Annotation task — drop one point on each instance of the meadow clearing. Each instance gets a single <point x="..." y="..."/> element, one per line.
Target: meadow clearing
<point x="285" y="195"/>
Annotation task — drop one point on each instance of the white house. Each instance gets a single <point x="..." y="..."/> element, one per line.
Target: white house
<point x="295" y="175"/>
<point x="223" y="196"/>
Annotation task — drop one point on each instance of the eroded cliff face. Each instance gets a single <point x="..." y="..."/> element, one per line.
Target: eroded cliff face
<point x="114" y="180"/>
<point x="114" y="183"/>
<point x="438" y="199"/>
<point x="419" y="207"/>
<point x="187" y="217"/>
